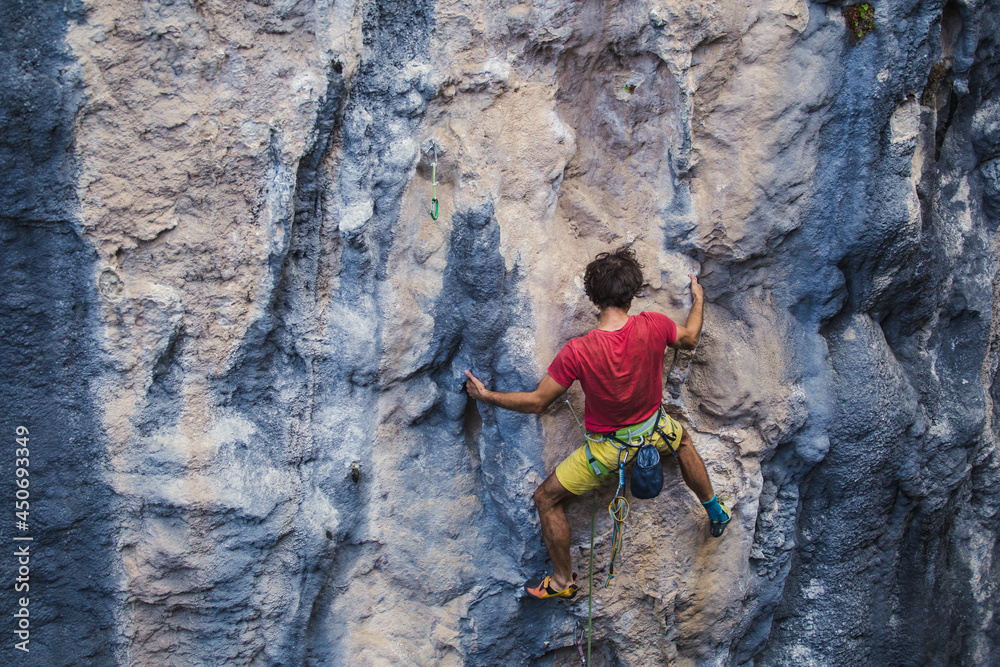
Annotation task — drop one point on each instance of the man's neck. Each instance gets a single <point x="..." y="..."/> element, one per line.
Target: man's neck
<point x="612" y="318"/>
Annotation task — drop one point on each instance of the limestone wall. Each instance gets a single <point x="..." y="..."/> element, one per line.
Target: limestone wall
<point x="238" y="336"/>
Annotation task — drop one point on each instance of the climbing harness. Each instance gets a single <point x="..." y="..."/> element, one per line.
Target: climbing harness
<point x="631" y="436"/>
<point x="434" y="197"/>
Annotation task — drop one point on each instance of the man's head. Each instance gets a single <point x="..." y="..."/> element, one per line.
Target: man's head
<point x="613" y="278"/>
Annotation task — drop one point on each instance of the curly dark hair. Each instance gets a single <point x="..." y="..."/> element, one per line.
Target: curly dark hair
<point x="613" y="278"/>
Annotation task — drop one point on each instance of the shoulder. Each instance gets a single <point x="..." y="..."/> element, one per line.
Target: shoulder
<point x="660" y="323"/>
<point x="570" y="350"/>
<point x="573" y="343"/>
<point x="655" y="318"/>
<point x="565" y="367"/>
<point x="576" y="350"/>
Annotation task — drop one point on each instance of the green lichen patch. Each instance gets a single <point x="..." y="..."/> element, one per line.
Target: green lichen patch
<point x="935" y="83"/>
<point x="860" y="21"/>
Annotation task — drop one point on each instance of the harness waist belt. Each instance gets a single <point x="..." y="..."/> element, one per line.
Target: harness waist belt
<point x="636" y="437"/>
<point x="636" y="430"/>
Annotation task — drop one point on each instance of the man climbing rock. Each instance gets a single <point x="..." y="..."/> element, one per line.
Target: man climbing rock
<point x="620" y="366"/>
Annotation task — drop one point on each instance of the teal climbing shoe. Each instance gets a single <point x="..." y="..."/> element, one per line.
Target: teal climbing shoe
<point x="717" y="527"/>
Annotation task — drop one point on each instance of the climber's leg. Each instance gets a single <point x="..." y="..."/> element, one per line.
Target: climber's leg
<point x="693" y="469"/>
<point x="696" y="477"/>
<point x="549" y="499"/>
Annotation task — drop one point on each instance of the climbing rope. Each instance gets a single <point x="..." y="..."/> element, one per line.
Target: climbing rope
<point x="590" y="576"/>
<point x="628" y="137"/>
<point x="593" y="516"/>
<point x="434" y="196"/>
<point x="618" y="509"/>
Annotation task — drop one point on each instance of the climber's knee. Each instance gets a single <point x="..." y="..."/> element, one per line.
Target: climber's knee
<point x="540" y="496"/>
<point x="550" y="493"/>
<point x="686" y="450"/>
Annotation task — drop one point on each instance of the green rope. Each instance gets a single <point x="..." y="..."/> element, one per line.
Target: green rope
<point x="590" y="594"/>
<point x="593" y="518"/>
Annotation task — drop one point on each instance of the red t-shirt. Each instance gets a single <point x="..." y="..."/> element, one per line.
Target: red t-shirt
<point x="621" y="371"/>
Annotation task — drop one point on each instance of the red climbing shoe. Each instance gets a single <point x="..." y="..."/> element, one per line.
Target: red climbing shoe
<point x="543" y="589"/>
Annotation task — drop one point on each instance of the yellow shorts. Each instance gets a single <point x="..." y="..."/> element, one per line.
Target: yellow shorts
<point x="578" y="477"/>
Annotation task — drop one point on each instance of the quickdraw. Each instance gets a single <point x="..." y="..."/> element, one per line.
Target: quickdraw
<point x="434" y="197"/>
<point x="578" y="635"/>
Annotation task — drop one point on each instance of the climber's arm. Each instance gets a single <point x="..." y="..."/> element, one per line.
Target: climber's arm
<point x="688" y="335"/>
<point x="520" y="401"/>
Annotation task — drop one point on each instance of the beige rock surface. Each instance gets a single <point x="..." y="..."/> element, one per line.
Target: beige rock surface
<point x="284" y="326"/>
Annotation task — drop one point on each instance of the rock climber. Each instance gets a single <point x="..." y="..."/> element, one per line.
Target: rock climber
<point x="620" y="367"/>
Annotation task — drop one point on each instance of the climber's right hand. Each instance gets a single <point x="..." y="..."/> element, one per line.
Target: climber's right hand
<point x="697" y="291"/>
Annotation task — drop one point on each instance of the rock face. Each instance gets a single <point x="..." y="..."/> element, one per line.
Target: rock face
<point x="237" y="335"/>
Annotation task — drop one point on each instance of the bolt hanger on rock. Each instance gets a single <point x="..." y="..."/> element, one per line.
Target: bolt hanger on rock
<point x="625" y="85"/>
